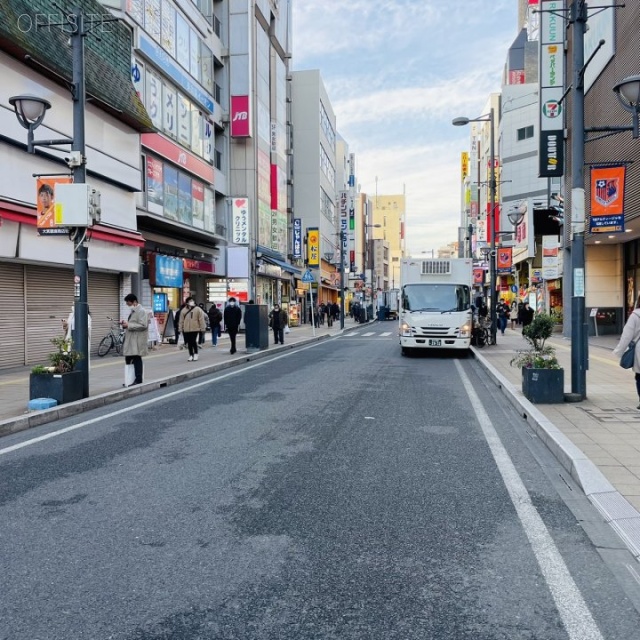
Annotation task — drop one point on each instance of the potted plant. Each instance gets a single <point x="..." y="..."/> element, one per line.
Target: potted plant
<point x="542" y="375"/>
<point x="59" y="380"/>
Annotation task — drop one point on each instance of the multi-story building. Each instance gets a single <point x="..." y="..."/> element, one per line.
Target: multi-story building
<point x="180" y="71"/>
<point x="389" y="212"/>
<point x="37" y="281"/>
<point x="314" y="173"/>
<point x="258" y="123"/>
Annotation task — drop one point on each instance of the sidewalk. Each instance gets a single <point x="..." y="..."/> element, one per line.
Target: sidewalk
<point x="597" y="440"/>
<point x="165" y="364"/>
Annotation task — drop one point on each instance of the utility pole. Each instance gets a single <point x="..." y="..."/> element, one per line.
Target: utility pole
<point x="579" y="347"/>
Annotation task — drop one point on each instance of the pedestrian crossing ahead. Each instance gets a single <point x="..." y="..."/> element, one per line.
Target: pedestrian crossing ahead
<point x="369" y="334"/>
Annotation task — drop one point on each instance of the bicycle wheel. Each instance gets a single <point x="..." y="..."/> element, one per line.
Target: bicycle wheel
<point x="106" y="344"/>
<point x="119" y="342"/>
<point x="490" y="339"/>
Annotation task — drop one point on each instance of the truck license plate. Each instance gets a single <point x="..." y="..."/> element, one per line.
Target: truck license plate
<point x="435" y="343"/>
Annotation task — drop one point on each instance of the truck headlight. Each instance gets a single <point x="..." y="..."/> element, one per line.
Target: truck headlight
<point x="465" y="331"/>
<point x="405" y="329"/>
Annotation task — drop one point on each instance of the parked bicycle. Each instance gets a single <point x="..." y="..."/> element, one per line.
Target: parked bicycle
<point x="113" y="340"/>
<point x="482" y="333"/>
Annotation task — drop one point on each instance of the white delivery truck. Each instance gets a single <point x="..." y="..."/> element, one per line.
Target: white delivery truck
<point x="435" y="304"/>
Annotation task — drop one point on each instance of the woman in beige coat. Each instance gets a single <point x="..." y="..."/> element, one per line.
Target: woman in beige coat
<point x="136" y="336"/>
<point x="631" y="332"/>
<point x="192" y="322"/>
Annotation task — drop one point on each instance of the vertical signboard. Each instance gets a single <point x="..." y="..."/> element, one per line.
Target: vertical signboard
<point x="550" y="257"/>
<point x="464" y="165"/>
<point x="297" y="238"/>
<point x="313" y="247"/>
<point x="607" y="199"/>
<point x="240" y="117"/>
<point x="240" y="215"/>
<point x="551" y="89"/>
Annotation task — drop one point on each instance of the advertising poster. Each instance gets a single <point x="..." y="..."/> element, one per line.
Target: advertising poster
<point x="182" y="42"/>
<point x="297" y="237"/>
<point x="197" y="204"/>
<point x="45" y="206"/>
<point x="550" y="257"/>
<point x="155" y="185"/>
<point x="209" y="210"/>
<point x="240" y="214"/>
<point x="607" y="199"/>
<point x="170" y="192"/>
<point x="152" y="19"/>
<point x="504" y="262"/>
<point x="184" y="120"/>
<point x="154" y="99"/>
<point x="169" y="28"/>
<point x="184" y="199"/>
<point x="170" y="115"/>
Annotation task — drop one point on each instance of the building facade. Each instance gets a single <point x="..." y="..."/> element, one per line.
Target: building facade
<point x="37" y="280"/>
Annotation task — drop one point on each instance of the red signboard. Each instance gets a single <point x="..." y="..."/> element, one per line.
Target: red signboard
<point x="240" y="117"/>
<point x="198" y="266"/>
<point x="179" y="155"/>
<point x="516" y="76"/>
<point x="274" y="187"/>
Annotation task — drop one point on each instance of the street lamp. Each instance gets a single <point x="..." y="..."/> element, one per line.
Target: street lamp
<point x="490" y="118"/>
<point x="30" y="111"/>
<point x="628" y="92"/>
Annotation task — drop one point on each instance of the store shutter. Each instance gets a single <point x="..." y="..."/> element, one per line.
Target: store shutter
<point x="49" y="294"/>
<point x="11" y="320"/>
<point x="104" y="293"/>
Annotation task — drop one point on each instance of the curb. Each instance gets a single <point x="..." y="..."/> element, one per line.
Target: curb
<point x="38" y="418"/>
<point x="613" y="506"/>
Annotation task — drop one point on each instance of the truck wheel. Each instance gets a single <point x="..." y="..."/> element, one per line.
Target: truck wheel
<point x="406" y="351"/>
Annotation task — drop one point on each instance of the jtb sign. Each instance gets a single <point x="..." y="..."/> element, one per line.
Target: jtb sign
<point x="240" y="117"/>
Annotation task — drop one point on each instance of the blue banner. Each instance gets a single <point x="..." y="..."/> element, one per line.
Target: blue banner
<point x="168" y="272"/>
<point x="297" y="237"/>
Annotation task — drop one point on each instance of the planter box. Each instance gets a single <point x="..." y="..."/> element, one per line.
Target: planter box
<point x="65" y="387"/>
<point x="543" y="386"/>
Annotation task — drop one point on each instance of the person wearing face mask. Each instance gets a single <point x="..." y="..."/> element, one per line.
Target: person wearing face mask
<point x="232" y="318"/>
<point x="192" y="322"/>
<point x="136" y="336"/>
<point x="278" y="321"/>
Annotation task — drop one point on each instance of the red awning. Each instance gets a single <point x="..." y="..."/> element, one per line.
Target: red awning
<point x="27" y="215"/>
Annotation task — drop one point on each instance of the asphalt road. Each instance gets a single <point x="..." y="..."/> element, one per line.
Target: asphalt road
<point x="340" y="491"/>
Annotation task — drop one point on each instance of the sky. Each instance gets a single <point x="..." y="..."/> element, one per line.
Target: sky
<point x="397" y="72"/>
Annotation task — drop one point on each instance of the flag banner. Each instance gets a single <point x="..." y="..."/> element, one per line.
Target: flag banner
<point x="478" y="276"/>
<point x="504" y="262"/>
<point x="607" y="199"/>
<point x="46" y="224"/>
<point x="313" y="247"/>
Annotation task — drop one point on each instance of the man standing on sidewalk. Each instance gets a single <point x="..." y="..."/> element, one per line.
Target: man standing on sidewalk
<point x="136" y="336"/>
<point x="232" y="318"/>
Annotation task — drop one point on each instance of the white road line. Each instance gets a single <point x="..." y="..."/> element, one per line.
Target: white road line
<point x="386" y="333"/>
<point x="571" y="606"/>
<point x="370" y="333"/>
<point x="146" y="403"/>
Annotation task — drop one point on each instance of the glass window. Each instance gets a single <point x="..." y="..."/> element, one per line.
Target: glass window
<point x="184" y="121"/>
<point x="170" y="192"/>
<point x="436" y="297"/>
<point x="194" y="55"/>
<point x="182" y="42"/>
<point x="152" y="19"/>
<point x="185" y="214"/>
<point x="169" y="28"/>
<point x="154" y="99"/>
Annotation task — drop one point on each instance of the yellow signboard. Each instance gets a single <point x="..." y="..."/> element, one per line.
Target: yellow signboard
<point x="464" y="164"/>
<point x="313" y="247"/>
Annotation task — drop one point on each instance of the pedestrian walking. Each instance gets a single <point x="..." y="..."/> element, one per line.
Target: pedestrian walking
<point x="136" y="336"/>
<point x="232" y="318"/>
<point x="335" y="310"/>
<point x="513" y="314"/>
<point x="526" y="315"/>
<point x="215" y="318"/>
<point x="192" y="322"/>
<point x="631" y="332"/>
<point x="278" y="320"/>
<point x="503" y="315"/>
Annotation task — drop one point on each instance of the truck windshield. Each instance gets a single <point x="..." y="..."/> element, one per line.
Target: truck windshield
<point x="436" y="297"/>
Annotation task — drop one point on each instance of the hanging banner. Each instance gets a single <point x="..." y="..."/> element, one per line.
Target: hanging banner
<point x="46" y="204"/>
<point x="550" y="257"/>
<point x="504" y="261"/>
<point x="464" y="165"/>
<point x="297" y="237"/>
<point x="240" y="216"/>
<point x="607" y="199"/>
<point x="313" y="247"/>
<point x="478" y="276"/>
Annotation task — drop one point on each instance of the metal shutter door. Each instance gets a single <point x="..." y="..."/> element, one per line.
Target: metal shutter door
<point x="12" y="326"/>
<point x="104" y="293"/>
<point x="49" y="294"/>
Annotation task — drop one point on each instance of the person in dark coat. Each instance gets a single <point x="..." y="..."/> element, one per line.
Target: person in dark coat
<point x="335" y="310"/>
<point x="215" y="318"/>
<point x="527" y="315"/>
<point x="278" y="320"/>
<point x="232" y="318"/>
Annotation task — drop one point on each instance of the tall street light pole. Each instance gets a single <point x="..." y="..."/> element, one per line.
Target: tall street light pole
<point x="490" y="118"/>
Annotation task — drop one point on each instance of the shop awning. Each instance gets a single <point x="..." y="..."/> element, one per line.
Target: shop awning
<point x="283" y="265"/>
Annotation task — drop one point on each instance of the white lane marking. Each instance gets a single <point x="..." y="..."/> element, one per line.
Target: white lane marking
<point x="370" y="333"/>
<point x="146" y="403"/>
<point x="386" y="333"/>
<point x="573" y="610"/>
